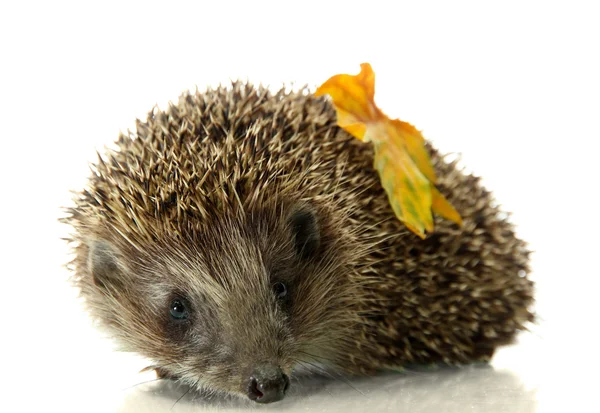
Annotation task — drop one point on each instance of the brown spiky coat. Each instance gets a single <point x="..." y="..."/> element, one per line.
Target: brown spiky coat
<point x="196" y="199"/>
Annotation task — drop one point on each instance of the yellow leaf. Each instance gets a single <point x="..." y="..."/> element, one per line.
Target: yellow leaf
<point x="407" y="188"/>
<point x="353" y="97"/>
<point x="415" y="145"/>
<point x="401" y="158"/>
<point x="443" y="208"/>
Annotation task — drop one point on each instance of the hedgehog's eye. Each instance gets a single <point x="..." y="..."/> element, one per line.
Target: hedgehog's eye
<point x="178" y="310"/>
<point x="280" y="290"/>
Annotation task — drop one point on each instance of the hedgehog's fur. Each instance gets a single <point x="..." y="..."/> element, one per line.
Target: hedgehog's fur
<point x="197" y="203"/>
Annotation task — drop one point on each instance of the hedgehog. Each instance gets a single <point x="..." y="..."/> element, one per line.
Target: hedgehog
<point x="240" y="235"/>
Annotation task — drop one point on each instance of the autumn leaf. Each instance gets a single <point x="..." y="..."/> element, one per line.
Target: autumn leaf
<point x="401" y="157"/>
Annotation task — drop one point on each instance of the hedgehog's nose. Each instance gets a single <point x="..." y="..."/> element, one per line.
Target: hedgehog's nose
<point x="268" y="383"/>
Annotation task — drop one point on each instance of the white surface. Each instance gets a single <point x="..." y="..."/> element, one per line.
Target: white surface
<point x="515" y="87"/>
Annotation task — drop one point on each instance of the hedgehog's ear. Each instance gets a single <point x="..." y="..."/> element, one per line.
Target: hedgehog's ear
<point x="103" y="263"/>
<point x="306" y="230"/>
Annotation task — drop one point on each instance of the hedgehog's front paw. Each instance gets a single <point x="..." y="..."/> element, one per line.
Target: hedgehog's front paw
<point x="163" y="374"/>
<point x="160" y="373"/>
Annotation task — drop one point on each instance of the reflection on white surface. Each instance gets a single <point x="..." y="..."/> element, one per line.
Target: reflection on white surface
<point x="479" y="388"/>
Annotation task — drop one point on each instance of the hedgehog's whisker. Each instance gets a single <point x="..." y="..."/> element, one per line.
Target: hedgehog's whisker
<point x="318" y="357"/>
<point x="158" y="378"/>
<point x="320" y="370"/>
<point x="142" y="382"/>
<point x="184" y="394"/>
<point x="330" y="374"/>
<point x="307" y="367"/>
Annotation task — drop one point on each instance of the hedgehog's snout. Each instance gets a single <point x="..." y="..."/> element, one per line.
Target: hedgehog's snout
<point x="267" y="384"/>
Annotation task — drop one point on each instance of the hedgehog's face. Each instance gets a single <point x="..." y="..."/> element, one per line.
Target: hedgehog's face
<point x="235" y="307"/>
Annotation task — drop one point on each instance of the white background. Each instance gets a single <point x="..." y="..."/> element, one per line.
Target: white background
<point x="513" y="86"/>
